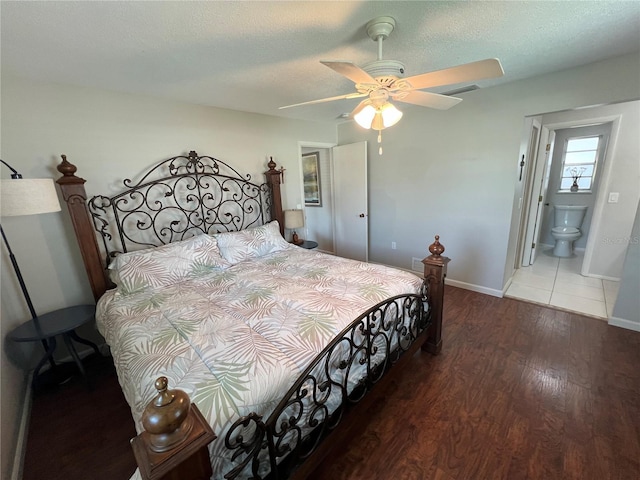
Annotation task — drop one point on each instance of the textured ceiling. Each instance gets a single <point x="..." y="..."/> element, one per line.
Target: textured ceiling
<point x="257" y="56"/>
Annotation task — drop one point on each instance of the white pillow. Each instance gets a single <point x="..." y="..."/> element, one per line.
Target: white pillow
<point x="167" y="264"/>
<point x="255" y="242"/>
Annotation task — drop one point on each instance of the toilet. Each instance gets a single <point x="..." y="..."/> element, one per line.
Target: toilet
<point x="567" y="220"/>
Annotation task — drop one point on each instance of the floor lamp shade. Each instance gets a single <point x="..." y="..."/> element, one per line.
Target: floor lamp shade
<point x="28" y="196"/>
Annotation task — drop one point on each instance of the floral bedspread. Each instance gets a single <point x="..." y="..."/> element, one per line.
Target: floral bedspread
<point x="235" y="340"/>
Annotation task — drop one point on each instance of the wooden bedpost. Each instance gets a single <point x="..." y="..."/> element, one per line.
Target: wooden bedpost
<point x="173" y="445"/>
<point x="75" y="196"/>
<point x="435" y="271"/>
<point x="274" y="180"/>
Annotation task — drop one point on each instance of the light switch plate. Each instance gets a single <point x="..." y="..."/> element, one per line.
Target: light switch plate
<point x="613" y="197"/>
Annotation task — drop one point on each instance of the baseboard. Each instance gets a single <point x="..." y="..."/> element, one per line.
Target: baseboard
<point x="23" y="430"/>
<point x="603" y="277"/>
<point x="475" y="288"/>
<point x="622" y="323"/>
<point x="456" y="283"/>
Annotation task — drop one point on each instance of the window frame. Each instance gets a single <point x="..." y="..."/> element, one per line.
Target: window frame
<point x="595" y="163"/>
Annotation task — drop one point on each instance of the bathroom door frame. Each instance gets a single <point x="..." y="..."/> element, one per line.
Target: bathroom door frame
<point x="538" y="153"/>
<point x="602" y="193"/>
<point x="541" y="183"/>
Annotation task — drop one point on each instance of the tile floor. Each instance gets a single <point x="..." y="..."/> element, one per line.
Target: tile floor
<point x="557" y="282"/>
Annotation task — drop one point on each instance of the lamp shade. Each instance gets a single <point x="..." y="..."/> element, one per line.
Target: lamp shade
<point x="378" y="118"/>
<point x="293" y="219"/>
<point x="28" y="196"/>
<point x="365" y="116"/>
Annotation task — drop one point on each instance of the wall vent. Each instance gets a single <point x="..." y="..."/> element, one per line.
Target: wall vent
<point x="417" y="265"/>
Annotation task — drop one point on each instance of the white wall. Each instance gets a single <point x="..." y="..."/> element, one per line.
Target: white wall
<point x="109" y="137"/>
<point x="453" y="172"/>
<point x="626" y="312"/>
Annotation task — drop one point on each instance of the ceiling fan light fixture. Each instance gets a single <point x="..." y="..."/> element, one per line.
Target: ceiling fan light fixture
<point x="390" y="115"/>
<point x="365" y="117"/>
<point x="378" y="118"/>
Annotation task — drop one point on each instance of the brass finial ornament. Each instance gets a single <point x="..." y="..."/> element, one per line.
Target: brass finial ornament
<point x="166" y="418"/>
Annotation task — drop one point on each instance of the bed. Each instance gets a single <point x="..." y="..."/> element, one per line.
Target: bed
<point x="275" y="344"/>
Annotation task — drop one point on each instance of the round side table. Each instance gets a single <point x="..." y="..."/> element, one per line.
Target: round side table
<point x="48" y="326"/>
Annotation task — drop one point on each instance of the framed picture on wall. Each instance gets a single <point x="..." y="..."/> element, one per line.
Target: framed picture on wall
<point x="311" y="179"/>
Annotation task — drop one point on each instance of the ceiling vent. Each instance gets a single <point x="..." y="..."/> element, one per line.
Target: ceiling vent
<point x="458" y="91"/>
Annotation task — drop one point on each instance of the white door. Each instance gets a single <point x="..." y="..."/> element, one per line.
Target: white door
<point x="350" y="213"/>
<point x="527" y="164"/>
<point x="540" y="182"/>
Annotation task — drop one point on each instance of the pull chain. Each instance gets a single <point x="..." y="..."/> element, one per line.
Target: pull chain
<point x="380" y="142"/>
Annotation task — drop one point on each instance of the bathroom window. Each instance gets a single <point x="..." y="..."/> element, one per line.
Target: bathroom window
<point x="579" y="164"/>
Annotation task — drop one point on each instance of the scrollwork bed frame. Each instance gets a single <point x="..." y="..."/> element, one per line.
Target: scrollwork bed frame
<point x="190" y="192"/>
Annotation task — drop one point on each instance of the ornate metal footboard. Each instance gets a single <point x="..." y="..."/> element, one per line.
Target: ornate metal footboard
<point x="334" y="382"/>
<point x="317" y="412"/>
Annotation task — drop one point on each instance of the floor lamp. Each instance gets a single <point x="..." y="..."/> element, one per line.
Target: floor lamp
<point x="26" y="196"/>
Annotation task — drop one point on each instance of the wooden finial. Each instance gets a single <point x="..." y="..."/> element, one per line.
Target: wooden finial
<point x="66" y="168"/>
<point x="436" y="248"/>
<point x="271" y="164"/>
<point x="166" y="418"/>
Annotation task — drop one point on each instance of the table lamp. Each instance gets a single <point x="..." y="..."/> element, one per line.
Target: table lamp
<point x="294" y="219"/>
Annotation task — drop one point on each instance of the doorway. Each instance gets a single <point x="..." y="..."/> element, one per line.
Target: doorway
<point x="338" y="218"/>
<point x="559" y="184"/>
<point x="550" y="185"/>
<point x="318" y="215"/>
<point x="540" y="276"/>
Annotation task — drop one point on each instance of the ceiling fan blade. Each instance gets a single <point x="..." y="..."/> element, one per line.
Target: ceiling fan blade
<point x="329" y="99"/>
<point x="489" y="68"/>
<point x="351" y="71"/>
<point x="428" y="99"/>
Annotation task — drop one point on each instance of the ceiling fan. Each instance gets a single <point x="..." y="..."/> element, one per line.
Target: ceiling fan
<point x="381" y="81"/>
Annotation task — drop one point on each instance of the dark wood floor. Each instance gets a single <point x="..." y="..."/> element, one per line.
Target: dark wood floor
<point x="519" y="392"/>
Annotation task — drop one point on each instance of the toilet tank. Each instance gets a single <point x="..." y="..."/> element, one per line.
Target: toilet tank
<point x="569" y="215"/>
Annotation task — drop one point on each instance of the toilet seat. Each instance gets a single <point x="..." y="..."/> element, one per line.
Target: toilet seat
<point x="564" y="230"/>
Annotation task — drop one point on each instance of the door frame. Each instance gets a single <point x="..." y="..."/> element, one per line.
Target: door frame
<point x="526" y="177"/>
<point x="602" y="194"/>
<point x="542" y="164"/>
<point x="329" y="148"/>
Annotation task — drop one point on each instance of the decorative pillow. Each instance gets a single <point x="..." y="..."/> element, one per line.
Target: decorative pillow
<point x="255" y="242"/>
<point x="167" y="264"/>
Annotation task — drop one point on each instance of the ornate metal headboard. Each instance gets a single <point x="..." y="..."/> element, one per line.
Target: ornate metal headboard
<point x="176" y="197"/>
<point x="170" y="202"/>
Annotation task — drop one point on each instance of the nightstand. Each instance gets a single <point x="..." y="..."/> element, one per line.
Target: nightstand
<point x="59" y="322"/>
<point x="308" y="244"/>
